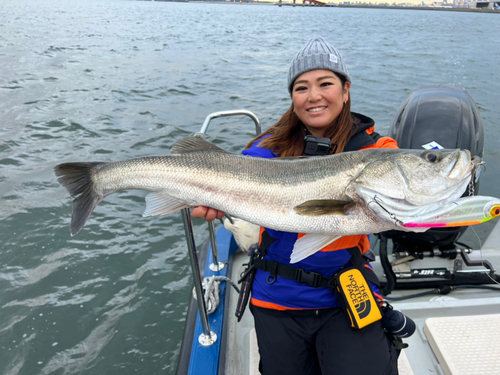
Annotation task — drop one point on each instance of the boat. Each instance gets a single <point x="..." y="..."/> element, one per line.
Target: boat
<point x="448" y="288"/>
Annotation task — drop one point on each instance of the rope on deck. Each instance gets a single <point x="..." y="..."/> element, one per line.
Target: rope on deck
<point x="211" y="291"/>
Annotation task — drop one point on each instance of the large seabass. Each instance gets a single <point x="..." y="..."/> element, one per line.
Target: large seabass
<point x="358" y="192"/>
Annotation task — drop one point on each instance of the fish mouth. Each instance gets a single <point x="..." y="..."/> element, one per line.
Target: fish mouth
<point x="455" y="170"/>
<point x="475" y="168"/>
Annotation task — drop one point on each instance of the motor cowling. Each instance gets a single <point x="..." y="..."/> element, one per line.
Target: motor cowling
<point x="439" y="116"/>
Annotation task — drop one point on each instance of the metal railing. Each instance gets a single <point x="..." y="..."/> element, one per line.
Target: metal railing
<point x="208" y="337"/>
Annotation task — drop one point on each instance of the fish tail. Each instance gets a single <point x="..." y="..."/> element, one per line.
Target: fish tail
<point x="77" y="179"/>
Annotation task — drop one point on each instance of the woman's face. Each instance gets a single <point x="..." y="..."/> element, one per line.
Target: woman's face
<point x="318" y="98"/>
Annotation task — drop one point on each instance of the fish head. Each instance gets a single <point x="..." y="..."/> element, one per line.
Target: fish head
<point x="416" y="178"/>
<point x="434" y="175"/>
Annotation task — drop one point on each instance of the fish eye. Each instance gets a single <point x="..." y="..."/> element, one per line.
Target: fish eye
<point x="495" y="210"/>
<point x="432" y="157"/>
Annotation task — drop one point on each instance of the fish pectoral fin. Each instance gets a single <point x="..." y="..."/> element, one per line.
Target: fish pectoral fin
<point x="162" y="204"/>
<point x="195" y="143"/>
<point x="310" y="244"/>
<point x="321" y="207"/>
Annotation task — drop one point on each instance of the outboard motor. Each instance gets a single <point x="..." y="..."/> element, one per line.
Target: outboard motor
<point x="439" y="117"/>
<point x="431" y="118"/>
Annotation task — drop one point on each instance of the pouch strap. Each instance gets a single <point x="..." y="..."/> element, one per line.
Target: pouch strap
<point x="360" y="262"/>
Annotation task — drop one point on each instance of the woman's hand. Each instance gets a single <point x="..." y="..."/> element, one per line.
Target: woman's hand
<point x="210" y="214"/>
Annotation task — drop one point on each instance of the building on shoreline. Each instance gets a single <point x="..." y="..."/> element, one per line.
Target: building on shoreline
<point x="492" y="6"/>
<point x="444" y="4"/>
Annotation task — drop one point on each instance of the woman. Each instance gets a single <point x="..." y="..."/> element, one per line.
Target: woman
<point x="301" y="328"/>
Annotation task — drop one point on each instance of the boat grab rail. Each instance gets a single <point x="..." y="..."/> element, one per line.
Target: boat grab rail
<point x="237" y="112"/>
<point x="208" y="337"/>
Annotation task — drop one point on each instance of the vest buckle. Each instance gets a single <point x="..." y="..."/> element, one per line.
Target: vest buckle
<point x="310" y="278"/>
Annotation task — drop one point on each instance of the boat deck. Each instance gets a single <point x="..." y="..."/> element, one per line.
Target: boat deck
<point x="453" y="330"/>
<point x="456" y="340"/>
<point x="456" y="333"/>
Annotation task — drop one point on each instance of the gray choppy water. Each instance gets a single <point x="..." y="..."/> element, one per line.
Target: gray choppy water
<point x="109" y="80"/>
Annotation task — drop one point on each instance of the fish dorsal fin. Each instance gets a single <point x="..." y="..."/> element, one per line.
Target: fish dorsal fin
<point x="321" y="207"/>
<point x="195" y="143"/>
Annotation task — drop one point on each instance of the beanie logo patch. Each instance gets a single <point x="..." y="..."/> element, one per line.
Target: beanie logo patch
<point x="333" y="58"/>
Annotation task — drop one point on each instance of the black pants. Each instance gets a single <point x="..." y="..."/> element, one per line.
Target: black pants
<point x="320" y="342"/>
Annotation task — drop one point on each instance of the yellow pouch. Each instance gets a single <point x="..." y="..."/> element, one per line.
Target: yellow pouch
<point x="359" y="301"/>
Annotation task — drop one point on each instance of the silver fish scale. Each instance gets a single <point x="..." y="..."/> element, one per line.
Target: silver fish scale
<point x="265" y="191"/>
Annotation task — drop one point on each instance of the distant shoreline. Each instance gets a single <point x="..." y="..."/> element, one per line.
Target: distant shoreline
<point x="476" y="10"/>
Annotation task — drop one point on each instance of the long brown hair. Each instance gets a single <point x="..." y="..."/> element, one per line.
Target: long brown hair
<point x="287" y="135"/>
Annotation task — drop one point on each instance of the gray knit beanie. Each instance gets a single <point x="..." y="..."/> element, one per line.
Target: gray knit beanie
<point x="316" y="54"/>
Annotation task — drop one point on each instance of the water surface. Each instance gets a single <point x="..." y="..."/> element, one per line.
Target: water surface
<point x="109" y="80"/>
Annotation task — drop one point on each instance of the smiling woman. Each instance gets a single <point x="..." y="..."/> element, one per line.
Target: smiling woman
<point x="113" y="80"/>
<point x="318" y="98"/>
<point x="294" y="319"/>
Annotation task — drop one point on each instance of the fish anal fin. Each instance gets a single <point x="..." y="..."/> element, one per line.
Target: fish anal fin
<point x="195" y="143"/>
<point x="322" y="207"/>
<point x="158" y="203"/>
<point x="309" y="244"/>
